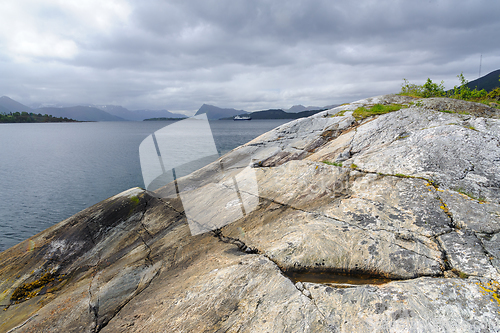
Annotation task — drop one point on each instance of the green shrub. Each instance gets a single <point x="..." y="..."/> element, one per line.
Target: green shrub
<point x="431" y="89"/>
<point x="494" y="94"/>
<point x="428" y="89"/>
<point x="410" y="89"/>
<point x="462" y="91"/>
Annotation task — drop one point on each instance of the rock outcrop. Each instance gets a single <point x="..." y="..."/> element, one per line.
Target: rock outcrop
<point x="386" y="224"/>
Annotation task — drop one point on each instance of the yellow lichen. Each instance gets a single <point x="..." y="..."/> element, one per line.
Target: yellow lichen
<point x="491" y="288"/>
<point x="29" y="290"/>
<point x="445" y="209"/>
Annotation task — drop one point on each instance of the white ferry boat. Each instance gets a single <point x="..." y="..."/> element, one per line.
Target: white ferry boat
<point x="242" y="118"/>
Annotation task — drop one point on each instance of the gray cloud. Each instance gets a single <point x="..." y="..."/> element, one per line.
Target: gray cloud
<point x="244" y="54"/>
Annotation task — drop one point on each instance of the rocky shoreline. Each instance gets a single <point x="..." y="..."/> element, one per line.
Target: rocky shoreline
<point x="410" y="198"/>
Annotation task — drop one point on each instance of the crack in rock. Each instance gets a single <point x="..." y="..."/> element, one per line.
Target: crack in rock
<point x="148" y="256"/>
<point x="94" y="306"/>
<point x="341" y="221"/>
<point x="150" y="263"/>
<point x="245" y="249"/>
<point x="134" y="294"/>
<point x="487" y="253"/>
<point x="235" y="241"/>
<point x="22" y="324"/>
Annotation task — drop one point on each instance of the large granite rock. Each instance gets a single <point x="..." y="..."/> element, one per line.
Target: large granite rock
<point x="386" y="224"/>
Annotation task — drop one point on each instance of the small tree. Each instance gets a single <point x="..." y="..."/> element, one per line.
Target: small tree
<point x="495" y="93"/>
<point x="428" y="89"/>
<point x="410" y="89"/>
<point x="431" y="89"/>
<point x="464" y="92"/>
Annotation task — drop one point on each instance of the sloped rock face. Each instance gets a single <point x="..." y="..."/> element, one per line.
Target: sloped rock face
<point x="410" y="198"/>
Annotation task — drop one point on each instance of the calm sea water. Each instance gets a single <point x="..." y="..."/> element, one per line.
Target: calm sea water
<point x="49" y="172"/>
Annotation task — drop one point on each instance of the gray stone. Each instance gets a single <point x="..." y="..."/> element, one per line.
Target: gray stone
<point x="482" y="217"/>
<point x="420" y="305"/>
<point x="467" y="255"/>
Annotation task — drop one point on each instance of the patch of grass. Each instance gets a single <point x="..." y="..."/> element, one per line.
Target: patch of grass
<point x="134" y="200"/>
<point x="362" y="112"/>
<point x="353" y="166"/>
<point x="470" y="195"/>
<point x="460" y="274"/>
<point x="400" y="175"/>
<point x="333" y="163"/>
<point x="338" y="114"/>
<point x="471" y="127"/>
<point x="459" y="112"/>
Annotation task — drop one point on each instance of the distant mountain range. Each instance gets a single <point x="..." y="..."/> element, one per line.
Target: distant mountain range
<point x="214" y="112"/>
<point x="300" y="108"/>
<point x="119" y="113"/>
<point x="8" y="105"/>
<point x="487" y="82"/>
<point x="278" y="114"/>
<point x="295" y="112"/>
<point x="4" y="110"/>
<point x="138" y="115"/>
<point x="82" y="113"/>
<point x="87" y="113"/>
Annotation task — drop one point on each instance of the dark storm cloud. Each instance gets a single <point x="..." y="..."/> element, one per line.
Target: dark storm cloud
<point x="243" y="54"/>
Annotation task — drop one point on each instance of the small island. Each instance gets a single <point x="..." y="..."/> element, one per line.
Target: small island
<point x="164" y="119"/>
<point x="25" y="117"/>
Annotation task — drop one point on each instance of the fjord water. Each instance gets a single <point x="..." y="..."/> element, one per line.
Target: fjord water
<point x="49" y="172"/>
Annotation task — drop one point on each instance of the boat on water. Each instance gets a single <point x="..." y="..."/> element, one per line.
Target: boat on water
<point x="242" y="118"/>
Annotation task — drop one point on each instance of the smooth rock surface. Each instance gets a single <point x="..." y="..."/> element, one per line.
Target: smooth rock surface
<point x="420" y="305"/>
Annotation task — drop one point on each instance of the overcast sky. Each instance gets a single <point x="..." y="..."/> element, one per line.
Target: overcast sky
<point x="245" y="54"/>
